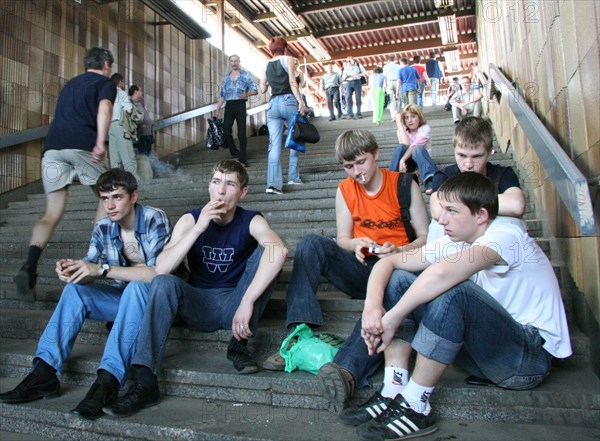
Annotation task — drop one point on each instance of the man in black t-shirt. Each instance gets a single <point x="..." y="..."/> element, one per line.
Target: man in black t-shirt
<point x="75" y="146"/>
<point x="473" y="138"/>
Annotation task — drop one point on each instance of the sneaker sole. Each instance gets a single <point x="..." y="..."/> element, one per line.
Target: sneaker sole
<point x="417" y="434"/>
<point x="333" y="388"/>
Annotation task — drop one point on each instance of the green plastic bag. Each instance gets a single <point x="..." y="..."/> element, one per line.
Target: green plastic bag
<point x="308" y="352"/>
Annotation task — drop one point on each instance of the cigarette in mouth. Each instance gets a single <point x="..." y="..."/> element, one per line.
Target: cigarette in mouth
<point x="362" y="177"/>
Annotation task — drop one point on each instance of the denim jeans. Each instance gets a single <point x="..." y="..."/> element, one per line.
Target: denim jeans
<point x="124" y="306"/>
<point x="205" y="309"/>
<point x="419" y="155"/>
<point x="421" y="95"/>
<point x="468" y="326"/>
<point x="280" y="110"/>
<point x="318" y="256"/>
<point x="354" y="87"/>
<point x="333" y="101"/>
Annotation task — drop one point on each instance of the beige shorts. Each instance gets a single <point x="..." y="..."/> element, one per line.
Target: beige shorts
<point x="59" y="168"/>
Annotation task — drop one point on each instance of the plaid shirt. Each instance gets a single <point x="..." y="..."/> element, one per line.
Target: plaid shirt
<point x="152" y="231"/>
<point x="231" y="90"/>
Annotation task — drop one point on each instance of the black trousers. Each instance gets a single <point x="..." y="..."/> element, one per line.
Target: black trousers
<point x="235" y="110"/>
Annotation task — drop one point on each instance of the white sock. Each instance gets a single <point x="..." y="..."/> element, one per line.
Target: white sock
<point x="417" y="397"/>
<point x="394" y="381"/>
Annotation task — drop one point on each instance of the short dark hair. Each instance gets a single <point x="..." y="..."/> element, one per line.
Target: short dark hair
<point x="133" y="89"/>
<point x="473" y="131"/>
<point x="353" y="143"/>
<point x="232" y="166"/>
<point x="377" y="69"/>
<point x="278" y="45"/>
<point x="472" y="189"/>
<point x="117" y="78"/>
<point x="95" y="57"/>
<point x="432" y="55"/>
<point x="404" y="60"/>
<point x="116" y="178"/>
<point x="417" y="59"/>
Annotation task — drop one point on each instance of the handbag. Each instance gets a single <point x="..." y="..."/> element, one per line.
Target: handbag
<point x="303" y="131"/>
<point x="290" y="143"/>
<point x="214" y="134"/>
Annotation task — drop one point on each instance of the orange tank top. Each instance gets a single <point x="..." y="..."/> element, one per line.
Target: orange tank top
<point x="376" y="217"/>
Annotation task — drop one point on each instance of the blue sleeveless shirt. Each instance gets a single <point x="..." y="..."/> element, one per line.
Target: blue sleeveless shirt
<point x="218" y="257"/>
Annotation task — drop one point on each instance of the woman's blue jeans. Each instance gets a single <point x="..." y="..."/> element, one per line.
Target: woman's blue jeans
<point x="420" y="156"/>
<point x="279" y="112"/>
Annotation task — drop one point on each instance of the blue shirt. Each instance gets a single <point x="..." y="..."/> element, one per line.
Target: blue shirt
<point x="152" y="231"/>
<point x="409" y="76"/>
<point x="231" y="90"/>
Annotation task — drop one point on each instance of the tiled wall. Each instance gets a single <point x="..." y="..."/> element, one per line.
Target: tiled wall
<point x="42" y="44"/>
<point x="552" y="49"/>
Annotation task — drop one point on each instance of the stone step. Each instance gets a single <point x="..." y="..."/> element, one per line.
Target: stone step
<point x="186" y="419"/>
<point x="569" y="395"/>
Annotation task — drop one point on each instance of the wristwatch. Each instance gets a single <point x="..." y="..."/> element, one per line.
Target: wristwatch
<point x="105" y="269"/>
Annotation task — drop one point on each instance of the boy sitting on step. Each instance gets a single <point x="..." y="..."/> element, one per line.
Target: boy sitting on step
<point x="473" y="142"/>
<point x="234" y="257"/>
<point x="124" y="247"/>
<point x="484" y="296"/>
<point x="368" y="215"/>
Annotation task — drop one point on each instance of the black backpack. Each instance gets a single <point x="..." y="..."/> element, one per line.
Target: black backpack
<point x="404" y="198"/>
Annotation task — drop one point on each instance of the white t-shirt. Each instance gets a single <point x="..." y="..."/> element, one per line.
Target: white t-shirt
<point x="525" y="286"/>
<point x="122" y="101"/>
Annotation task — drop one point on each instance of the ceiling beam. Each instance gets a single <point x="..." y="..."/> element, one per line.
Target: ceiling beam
<point x="332" y="5"/>
<point x="256" y="29"/>
<point x="401" y="22"/>
<point x="395" y="48"/>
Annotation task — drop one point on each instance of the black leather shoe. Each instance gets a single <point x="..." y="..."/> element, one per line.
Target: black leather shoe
<point x="138" y="397"/>
<point x="25" y="280"/>
<point x="99" y="395"/>
<point x="33" y="387"/>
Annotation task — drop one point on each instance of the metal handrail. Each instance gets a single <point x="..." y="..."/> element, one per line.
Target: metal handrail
<point x="569" y="182"/>
<point x="13" y="139"/>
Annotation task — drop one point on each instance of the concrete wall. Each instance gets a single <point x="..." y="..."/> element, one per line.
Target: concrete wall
<point x="551" y="48"/>
<point x="42" y="44"/>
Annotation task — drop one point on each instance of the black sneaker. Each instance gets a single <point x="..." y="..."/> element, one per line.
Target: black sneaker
<point x="138" y="397"/>
<point x="33" y="387"/>
<point x="397" y="422"/>
<point x="370" y="409"/>
<point x="241" y="357"/>
<point x="99" y="395"/>
<point x="25" y="281"/>
<point x="337" y="386"/>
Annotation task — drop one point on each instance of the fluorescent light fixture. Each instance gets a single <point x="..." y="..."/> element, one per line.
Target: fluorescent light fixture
<point x="443" y="3"/>
<point x="316" y="49"/>
<point x="448" y="29"/>
<point x="286" y="15"/>
<point x="452" y="59"/>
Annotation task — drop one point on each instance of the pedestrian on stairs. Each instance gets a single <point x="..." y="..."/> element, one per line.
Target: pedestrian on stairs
<point x="484" y="296"/>
<point x="234" y="257"/>
<point x="123" y="249"/>
<point x="74" y="146"/>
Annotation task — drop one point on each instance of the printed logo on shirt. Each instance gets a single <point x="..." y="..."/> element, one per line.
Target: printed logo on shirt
<point x="398" y="379"/>
<point x="217" y="259"/>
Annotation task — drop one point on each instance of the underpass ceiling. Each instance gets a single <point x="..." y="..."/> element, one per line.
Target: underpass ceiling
<point x="369" y="30"/>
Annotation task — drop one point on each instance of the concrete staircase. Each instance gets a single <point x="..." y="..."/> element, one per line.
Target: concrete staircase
<point x="203" y="396"/>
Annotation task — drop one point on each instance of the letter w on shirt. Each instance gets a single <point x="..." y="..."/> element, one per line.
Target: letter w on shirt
<point x="217" y="259"/>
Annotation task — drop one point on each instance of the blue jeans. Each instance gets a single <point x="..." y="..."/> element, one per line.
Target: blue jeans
<point x="205" y="309"/>
<point x="125" y="306"/>
<point x="316" y="256"/>
<point x="421" y="158"/>
<point x="280" y="110"/>
<point x="467" y="326"/>
<point x="421" y="95"/>
<point x="354" y="86"/>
